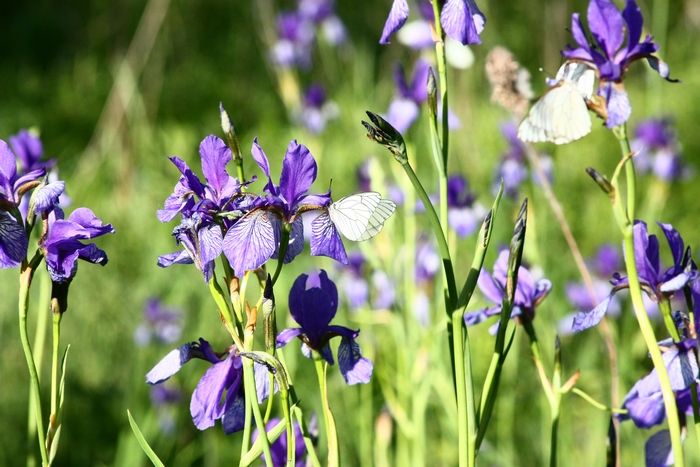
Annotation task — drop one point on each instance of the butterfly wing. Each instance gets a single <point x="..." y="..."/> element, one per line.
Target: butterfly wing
<point x="382" y="212"/>
<point x="361" y="216"/>
<point x="561" y="116"/>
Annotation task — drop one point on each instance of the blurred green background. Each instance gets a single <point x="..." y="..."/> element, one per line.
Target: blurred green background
<point x="115" y="87"/>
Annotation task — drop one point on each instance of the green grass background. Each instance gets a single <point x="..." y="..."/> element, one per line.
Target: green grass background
<point x="63" y="68"/>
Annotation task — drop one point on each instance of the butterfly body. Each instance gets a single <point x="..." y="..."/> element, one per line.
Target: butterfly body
<point x="361" y="216"/>
<point x="561" y="115"/>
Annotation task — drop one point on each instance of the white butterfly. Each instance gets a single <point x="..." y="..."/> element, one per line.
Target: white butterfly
<point x="560" y="116"/>
<point x="361" y="216"/>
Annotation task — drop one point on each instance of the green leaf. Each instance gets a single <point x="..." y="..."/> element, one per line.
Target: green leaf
<point x="142" y="441"/>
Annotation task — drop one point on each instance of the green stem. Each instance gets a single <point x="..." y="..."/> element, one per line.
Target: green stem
<point x="331" y="432"/>
<point x="251" y="395"/>
<point x="665" y="307"/>
<point x="39" y="342"/>
<point x="440" y="237"/>
<point x="55" y="376"/>
<point x="650" y="339"/>
<point x="284" y="242"/>
<point x="630" y="176"/>
<point x="442" y="76"/>
<point x="466" y="421"/>
<point x="25" y="279"/>
<point x="636" y="296"/>
<point x="696" y="410"/>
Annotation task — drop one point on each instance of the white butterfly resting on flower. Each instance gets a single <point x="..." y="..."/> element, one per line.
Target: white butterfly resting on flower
<point x="561" y="115"/>
<point x="361" y="216"/>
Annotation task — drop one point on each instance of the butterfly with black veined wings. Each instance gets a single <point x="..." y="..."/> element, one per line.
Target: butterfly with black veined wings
<point x="561" y="116"/>
<point x="361" y="216"/>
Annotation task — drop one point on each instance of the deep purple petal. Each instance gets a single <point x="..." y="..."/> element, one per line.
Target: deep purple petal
<point x="8" y="169"/>
<point x="250" y="242"/>
<point x="205" y="405"/>
<point x="584" y="50"/>
<point x="606" y="25"/>
<point x="47" y="197"/>
<point x="479" y="316"/>
<point x="260" y="157"/>
<point x="92" y="225"/>
<point x="298" y="172"/>
<point x="402" y="113"/>
<point x="317" y="315"/>
<point x="675" y="242"/>
<point x="325" y="239"/>
<point x="296" y="239"/>
<point x="170" y="364"/>
<point x="296" y="294"/>
<point x="459" y="19"/>
<point x="353" y="366"/>
<point x="658" y="451"/>
<point x="233" y="419"/>
<point x="419" y="82"/>
<point x="179" y="257"/>
<point x="397" y="17"/>
<point x="647" y="411"/>
<point x="286" y="336"/>
<point x="634" y="22"/>
<point x="13" y="242"/>
<point x="588" y="319"/>
<point x="491" y="289"/>
<point x="215" y="155"/>
<point x="618" y="104"/>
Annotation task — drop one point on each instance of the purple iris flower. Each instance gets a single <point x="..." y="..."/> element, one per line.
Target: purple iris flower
<point x="659" y="151"/>
<point x="322" y="14"/>
<point x="200" y="205"/>
<point x="313" y="303"/>
<point x="224" y="376"/>
<point x="512" y="168"/>
<point x="645" y="405"/>
<point x="528" y="294"/>
<point x="316" y="110"/>
<point x="609" y="27"/>
<point x="162" y="323"/>
<point x="405" y="106"/>
<point x="62" y="247"/>
<point x="656" y="282"/>
<point x="29" y="150"/>
<point x="461" y="20"/>
<point x="278" y="449"/>
<point x="256" y="237"/>
<point x="464" y="215"/>
<point x="296" y="37"/>
<point x="10" y="180"/>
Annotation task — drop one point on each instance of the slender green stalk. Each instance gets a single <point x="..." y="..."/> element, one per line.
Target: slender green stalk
<point x="284" y="243"/>
<point x="55" y="375"/>
<point x="625" y="219"/>
<point x="465" y="418"/>
<point x="665" y="308"/>
<point x="25" y="280"/>
<point x="331" y="432"/>
<point x="251" y="395"/>
<point x="442" y="73"/>
<point x="650" y="339"/>
<point x="440" y="237"/>
<point x="696" y="409"/>
<point x="39" y="342"/>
